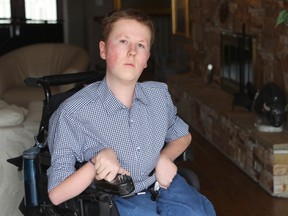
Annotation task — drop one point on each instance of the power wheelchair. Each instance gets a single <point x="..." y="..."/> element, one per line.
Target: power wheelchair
<point x="96" y="199"/>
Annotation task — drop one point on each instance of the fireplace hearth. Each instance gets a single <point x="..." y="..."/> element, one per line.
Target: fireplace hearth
<point x="208" y="109"/>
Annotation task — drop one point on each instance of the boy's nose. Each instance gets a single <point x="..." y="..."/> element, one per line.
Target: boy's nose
<point x="132" y="50"/>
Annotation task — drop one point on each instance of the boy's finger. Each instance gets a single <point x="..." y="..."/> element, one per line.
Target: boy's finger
<point x="123" y="171"/>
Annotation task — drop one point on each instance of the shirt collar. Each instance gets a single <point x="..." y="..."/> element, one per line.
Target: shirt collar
<point x="140" y="94"/>
<point x="112" y="104"/>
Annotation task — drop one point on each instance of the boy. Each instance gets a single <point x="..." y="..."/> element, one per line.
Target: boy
<point x="120" y="126"/>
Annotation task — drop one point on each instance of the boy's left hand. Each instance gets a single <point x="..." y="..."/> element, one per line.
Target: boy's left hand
<point x="165" y="171"/>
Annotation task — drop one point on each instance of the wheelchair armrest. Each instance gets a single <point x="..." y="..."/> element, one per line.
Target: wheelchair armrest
<point x="187" y="155"/>
<point x="190" y="177"/>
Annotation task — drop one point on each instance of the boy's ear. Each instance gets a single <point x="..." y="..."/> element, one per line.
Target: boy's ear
<point x="145" y="66"/>
<point x="102" y="49"/>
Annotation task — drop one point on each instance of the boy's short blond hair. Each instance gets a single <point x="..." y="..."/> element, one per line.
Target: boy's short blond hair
<point x="110" y="19"/>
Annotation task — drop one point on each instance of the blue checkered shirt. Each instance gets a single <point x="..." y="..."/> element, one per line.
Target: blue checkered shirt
<point x="93" y="119"/>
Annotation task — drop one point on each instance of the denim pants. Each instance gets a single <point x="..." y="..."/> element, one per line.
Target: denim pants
<point x="179" y="199"/>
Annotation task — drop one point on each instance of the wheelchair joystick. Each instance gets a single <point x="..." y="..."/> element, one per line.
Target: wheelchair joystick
<point x="122" y="185"/>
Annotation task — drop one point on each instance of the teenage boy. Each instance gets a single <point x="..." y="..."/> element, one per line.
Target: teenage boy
<point x="120" y="126"/>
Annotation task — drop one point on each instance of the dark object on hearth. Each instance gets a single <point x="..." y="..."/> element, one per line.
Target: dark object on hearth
<point x="241" y="99"/>
<point x="251" y="91"/>
<point x="270" y="103"/>
<point x="245" y="98"/>
<point x="209" y="74"/>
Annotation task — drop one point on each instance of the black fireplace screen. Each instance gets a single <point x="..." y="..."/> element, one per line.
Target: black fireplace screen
<point x="231" y="50"/>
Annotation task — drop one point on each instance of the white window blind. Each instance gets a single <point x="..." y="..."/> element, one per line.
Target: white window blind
<point x="5" y="9"/>
<point x="39" y="10"/>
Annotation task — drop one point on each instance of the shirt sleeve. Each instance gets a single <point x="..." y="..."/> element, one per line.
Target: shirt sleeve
<point x="177" y="128"/>
<point x="64" y="141"/>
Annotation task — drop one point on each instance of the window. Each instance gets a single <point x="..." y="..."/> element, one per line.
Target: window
<point x="5" y="11"/>
<point x="39" y="10"/>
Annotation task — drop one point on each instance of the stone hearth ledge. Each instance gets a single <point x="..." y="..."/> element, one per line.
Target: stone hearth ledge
<point x="209" y="110"/>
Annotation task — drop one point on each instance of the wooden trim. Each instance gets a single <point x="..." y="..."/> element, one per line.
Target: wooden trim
<point x="180" y="18"/>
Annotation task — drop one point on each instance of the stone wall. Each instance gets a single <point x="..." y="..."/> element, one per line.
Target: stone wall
<point x="208" y="18"/>
<point x="209" y="110"/>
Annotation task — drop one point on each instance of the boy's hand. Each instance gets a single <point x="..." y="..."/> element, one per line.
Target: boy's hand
<point x="165" y="171"/>
<point x="107" y="165"/>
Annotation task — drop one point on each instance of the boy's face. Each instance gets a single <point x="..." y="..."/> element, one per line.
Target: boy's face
<point x="126" y="51"/>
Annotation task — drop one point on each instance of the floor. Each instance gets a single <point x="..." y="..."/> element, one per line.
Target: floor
<point x="231" y="191"/>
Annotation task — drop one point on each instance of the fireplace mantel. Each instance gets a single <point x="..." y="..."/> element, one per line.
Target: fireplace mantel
<point x="209" y="110"/>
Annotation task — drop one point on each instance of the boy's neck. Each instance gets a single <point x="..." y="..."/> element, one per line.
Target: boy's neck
<point x="124" y="92"/>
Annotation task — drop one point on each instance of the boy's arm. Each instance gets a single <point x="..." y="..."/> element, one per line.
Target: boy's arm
<point x="106" y="166"/>
<point x="73" y="185"/>
<point x="165" y="168"/>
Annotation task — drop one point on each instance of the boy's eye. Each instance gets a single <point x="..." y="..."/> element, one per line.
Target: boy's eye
<point x="141" y="45"/>
<point x="123" y="41"/>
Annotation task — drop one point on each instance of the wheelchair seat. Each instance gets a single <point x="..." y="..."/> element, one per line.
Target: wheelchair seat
<point x="94" y="200"/>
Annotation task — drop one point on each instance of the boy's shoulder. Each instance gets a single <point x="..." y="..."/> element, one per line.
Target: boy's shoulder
<point x="154" y="85"/>
<point x="81" y="98"/>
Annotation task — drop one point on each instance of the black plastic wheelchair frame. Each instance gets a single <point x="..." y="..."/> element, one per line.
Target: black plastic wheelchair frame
<point x="91" y="200"/>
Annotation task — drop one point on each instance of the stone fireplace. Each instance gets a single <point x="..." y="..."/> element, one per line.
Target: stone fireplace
<point x="208" y="109"/>
<point x="209" y="19"/>
<point x="236" y="61"/>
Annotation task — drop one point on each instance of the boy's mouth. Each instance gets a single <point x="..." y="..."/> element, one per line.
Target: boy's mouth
<point x="129" y="64"/>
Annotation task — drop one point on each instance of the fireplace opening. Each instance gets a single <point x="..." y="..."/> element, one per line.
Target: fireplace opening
<point x="236" y="61"/>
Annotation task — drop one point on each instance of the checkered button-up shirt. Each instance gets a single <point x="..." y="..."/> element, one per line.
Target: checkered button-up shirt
<point x="93" y="119"/>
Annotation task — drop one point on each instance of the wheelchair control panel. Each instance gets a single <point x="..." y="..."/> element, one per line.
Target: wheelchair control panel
<point x="122" y="185"/>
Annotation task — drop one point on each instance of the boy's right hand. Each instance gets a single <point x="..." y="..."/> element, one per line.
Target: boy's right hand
<point x="107" y="165"/>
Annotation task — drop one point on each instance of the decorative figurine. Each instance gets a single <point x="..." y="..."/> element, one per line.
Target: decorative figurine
<point x="269" y="104"/>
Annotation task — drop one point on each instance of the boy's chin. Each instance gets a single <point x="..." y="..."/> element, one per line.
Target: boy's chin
<point x="132" y="77"/>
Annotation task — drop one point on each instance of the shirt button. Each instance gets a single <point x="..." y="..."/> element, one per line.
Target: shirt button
<point x="131" y="120"/>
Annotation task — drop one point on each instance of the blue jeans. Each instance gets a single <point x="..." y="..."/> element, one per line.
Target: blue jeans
<point x="179" y="199"/>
